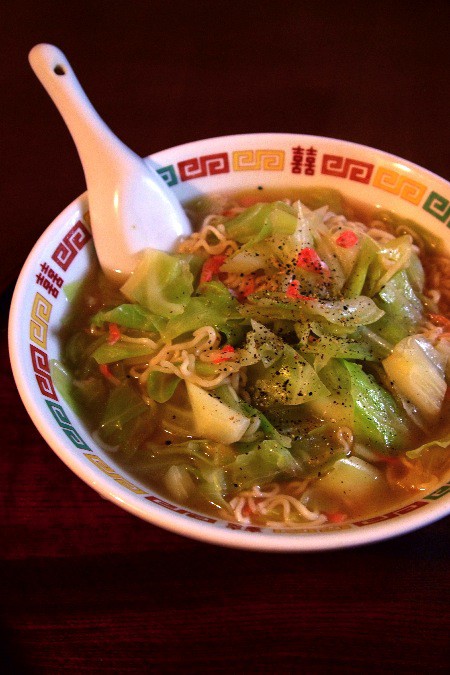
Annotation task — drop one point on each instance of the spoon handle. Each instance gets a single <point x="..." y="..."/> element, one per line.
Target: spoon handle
<point x="130" y="205"/>
<point x="95" y="142"/>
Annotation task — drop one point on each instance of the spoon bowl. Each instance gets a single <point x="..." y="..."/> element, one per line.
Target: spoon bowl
<point x="130" y="206"/>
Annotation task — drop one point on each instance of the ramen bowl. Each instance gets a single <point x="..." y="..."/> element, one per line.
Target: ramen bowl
<point x="65" y="253"/>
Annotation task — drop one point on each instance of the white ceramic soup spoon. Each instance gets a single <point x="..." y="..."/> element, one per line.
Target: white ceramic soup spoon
<point x="131" y="207"/>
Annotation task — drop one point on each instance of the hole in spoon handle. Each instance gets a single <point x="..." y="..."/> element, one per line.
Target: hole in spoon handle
<point x="90" y="134"/>
<point x="47" y="61"/>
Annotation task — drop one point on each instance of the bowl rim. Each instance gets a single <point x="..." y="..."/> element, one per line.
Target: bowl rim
<point x="330" y="539"/>
<point x="385" y="154"/>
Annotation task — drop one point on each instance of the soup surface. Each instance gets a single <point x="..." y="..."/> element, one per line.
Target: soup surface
<point x="287" y="365"/>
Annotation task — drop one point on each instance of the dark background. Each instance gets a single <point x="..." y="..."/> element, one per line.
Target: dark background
<point x="84" y="586"/>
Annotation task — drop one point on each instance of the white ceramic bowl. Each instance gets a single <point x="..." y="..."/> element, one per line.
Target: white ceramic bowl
<point x="65" y="252"/>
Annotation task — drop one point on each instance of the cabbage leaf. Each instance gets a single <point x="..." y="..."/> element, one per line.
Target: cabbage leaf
<point x="161" y="282"/>
<point x="130" y="316"/>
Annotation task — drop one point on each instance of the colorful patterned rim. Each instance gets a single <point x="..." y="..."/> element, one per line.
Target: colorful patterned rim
<point x="53" y="266"/>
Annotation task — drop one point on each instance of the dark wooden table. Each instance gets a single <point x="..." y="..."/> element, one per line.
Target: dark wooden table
<point x="84" y="586"/>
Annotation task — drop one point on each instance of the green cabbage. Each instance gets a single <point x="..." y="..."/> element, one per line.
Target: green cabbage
<point x="161" y="282"/>
<point x="403" y="310"/>
<point x="377" y="417"/>
<point x="111" y="353"/>
<point x="130" y="316"/>
<point x="290" y="380"/>
<point x="214" y="307"/>
<point x="259" y="464"/>
<point x="347" y="314"/>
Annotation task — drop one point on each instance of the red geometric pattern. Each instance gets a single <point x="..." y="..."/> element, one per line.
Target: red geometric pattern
<point x="346" y="167"/>
<point x="77" y="237"/>
<point x="41" y="369"/>
<point x="207" y="165"/>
